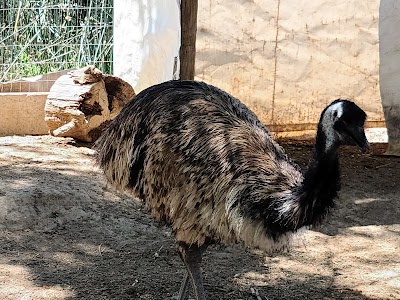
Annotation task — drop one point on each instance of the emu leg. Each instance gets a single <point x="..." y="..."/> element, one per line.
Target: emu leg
<point x="191" y="256"/>
<point x="183" y="290"/>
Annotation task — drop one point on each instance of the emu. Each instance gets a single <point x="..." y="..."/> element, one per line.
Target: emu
<point x="204" y="164"/>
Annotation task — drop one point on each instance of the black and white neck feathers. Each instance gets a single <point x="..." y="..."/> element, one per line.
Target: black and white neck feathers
<point x="341" y="123"/>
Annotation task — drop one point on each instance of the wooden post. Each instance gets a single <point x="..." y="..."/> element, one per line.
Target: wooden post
<point x="188" y="39"/>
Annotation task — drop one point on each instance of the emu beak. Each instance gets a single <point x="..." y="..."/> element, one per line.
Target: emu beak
<point x="357" y="134"/>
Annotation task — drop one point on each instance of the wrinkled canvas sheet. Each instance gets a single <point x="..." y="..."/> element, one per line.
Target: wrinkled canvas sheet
<point x="288" y="59"/>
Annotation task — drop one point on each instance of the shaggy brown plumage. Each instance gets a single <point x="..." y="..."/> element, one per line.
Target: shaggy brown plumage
<point x="203" y="163"/>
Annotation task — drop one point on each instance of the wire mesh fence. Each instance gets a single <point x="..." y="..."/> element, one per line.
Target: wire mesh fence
<point x="42" y="36"/>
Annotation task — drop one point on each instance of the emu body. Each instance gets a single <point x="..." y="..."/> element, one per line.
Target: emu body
<point x="203" y="163"/>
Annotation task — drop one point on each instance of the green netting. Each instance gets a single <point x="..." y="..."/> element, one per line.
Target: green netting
<point x="44" y="36"/>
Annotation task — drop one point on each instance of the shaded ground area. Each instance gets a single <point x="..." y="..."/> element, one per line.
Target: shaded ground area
<point x="65" y="235"/>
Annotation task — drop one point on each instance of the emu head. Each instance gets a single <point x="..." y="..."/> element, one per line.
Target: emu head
<point x="342" y="123"/>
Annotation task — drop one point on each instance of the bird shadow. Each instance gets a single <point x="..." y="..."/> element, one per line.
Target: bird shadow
<point x="249" y="277"/>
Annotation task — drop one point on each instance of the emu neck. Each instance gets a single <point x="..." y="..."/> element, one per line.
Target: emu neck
<point x="321" y="182"/>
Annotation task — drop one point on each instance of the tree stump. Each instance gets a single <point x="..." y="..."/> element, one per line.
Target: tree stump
<point x="83" y="102"/>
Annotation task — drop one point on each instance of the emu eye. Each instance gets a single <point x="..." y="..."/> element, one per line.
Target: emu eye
<point x="335" y="114"/>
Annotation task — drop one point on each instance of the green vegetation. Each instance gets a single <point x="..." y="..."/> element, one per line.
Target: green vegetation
<point x="42" y="36"/>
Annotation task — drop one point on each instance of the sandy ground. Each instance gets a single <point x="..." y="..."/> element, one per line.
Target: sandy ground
<point x="64" y="234"/>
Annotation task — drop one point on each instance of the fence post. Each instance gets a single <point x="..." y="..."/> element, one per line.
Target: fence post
<point x="187" y="52"/>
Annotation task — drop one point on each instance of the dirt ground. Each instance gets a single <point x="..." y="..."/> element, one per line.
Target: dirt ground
<point x="64" y="234"/>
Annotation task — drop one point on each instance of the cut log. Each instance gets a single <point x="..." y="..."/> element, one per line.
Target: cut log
<point x="83" y="102"/>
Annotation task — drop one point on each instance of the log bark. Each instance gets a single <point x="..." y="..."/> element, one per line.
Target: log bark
<point x="187" y="52"/>
<point x="83" y="102"/>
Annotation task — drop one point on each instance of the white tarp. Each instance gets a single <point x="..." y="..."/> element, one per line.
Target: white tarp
<point x="146" y="41"/>
<point x="288" y="59"/>
<point x="389" y="36"/>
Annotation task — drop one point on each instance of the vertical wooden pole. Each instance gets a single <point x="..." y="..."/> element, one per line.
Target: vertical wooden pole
<point x="187" y="52"/>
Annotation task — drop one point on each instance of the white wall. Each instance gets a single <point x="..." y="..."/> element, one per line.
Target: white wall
<point x="22" y="113"/>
